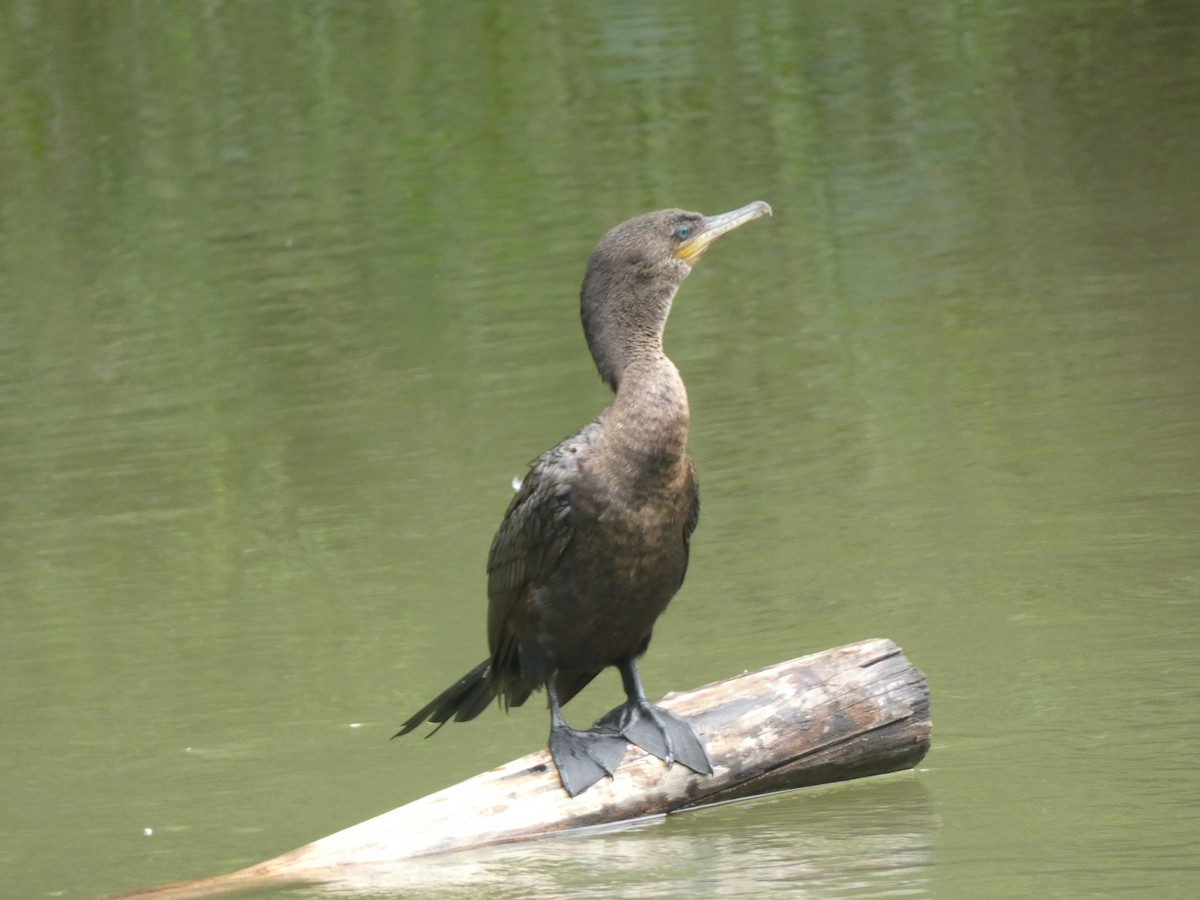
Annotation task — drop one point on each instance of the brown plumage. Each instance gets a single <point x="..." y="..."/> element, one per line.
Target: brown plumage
<point x="595" y="543"/>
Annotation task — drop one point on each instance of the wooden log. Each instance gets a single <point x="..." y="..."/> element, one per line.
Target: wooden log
<point x="849" y="712"/>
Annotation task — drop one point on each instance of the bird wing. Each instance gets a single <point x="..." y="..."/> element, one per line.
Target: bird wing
<point x="530" y="543"/>
<point x="693" y="488"/>
<point x="693" y="515"/>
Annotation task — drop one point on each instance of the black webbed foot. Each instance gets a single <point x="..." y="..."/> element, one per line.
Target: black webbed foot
<point x="584" y="757"/>
<point x="660" y="733"/>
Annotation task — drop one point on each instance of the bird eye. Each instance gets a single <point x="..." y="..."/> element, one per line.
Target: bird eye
<point x="682" y="232"/>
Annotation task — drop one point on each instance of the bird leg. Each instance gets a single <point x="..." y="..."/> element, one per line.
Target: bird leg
<point x="582" y="757"/>
<point x="657" y="731"/>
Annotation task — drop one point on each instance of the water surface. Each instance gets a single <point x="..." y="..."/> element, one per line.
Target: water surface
<point x="288" y="295"/>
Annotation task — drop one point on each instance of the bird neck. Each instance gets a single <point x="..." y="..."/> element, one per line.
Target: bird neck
<point x="623" y="321"/>
<point x="647" y="424"/>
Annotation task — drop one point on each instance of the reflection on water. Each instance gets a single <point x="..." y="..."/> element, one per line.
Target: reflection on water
<point x="288" y="295"/>
<point x="865" y="840"/>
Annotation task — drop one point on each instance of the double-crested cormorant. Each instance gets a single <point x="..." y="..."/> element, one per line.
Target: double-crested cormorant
<point x="595" y="542"/>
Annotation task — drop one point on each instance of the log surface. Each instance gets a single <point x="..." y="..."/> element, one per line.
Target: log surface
<point x="849" y="712"/>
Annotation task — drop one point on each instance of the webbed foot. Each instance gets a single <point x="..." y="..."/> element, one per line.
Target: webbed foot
<point x="660" y="733"/>
<point x="584" y="757"/>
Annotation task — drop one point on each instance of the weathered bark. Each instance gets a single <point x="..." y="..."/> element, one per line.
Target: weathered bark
<point x="853" y="711"/>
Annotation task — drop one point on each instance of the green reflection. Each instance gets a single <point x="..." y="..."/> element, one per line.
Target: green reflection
<point x="288" y="294"/>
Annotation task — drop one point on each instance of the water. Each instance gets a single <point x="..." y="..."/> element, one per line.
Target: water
<point x="288" y="295"/>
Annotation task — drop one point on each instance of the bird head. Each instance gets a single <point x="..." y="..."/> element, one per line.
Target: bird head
<point x="633" y="275"/>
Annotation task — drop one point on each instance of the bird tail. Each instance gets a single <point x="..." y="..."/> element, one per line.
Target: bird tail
<point x="462" y="701"/>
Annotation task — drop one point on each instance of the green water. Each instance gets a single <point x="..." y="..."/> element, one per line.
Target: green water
<point x="288" y="295"/>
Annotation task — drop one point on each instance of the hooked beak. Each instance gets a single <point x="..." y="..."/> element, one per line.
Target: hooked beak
<point x="714" y="226"/>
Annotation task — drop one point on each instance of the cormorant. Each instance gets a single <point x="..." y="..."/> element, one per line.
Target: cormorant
<point x="595" y="543"/>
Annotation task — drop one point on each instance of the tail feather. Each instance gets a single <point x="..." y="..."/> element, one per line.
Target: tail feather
<point x="463" y="700"/>
<point x="475" y="700"/>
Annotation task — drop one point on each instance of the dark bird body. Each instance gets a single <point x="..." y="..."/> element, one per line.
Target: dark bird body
<point x="595" y="543"/>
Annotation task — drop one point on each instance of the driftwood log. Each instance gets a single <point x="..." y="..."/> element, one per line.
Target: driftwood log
<point x="850" y="712"/>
